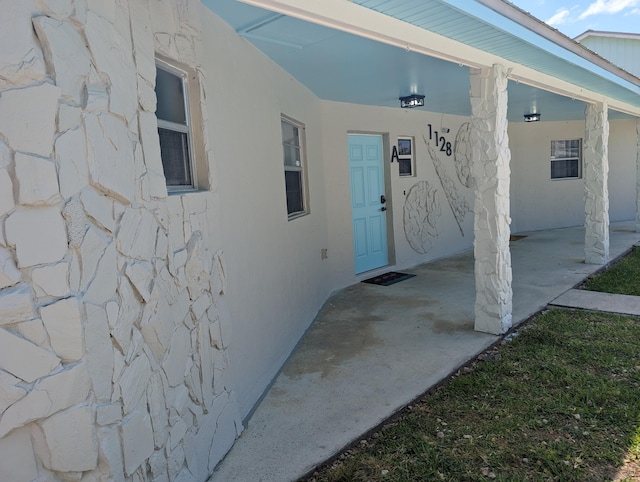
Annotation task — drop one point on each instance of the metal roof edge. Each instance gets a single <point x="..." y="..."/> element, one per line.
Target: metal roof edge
<point x="516" y="14"/>
<point x="606" y="34"/>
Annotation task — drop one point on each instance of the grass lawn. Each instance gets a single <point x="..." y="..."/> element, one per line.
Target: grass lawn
<point x="559" y="402"/>
<point x="622" y="278"/>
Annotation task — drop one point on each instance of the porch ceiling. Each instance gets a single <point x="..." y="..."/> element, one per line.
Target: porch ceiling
<point x="340" y="66"/>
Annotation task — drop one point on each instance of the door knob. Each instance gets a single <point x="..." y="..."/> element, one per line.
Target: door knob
<point x="383" y="208"/>
<point x="383" y="199"/>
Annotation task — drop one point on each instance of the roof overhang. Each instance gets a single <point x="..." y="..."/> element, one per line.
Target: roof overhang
<point x="464" y="33"/>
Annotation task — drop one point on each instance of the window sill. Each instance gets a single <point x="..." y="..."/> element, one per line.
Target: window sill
<point x="181" y="192"/>
<point x="297" y="215"/>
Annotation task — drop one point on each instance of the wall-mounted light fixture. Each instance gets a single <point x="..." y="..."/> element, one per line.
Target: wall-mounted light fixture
<point x="533" y="117"/>
<point x="411" y="101"/>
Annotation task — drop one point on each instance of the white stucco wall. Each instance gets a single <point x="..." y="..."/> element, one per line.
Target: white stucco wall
<point x="277" y="280"/>
<point x="537" y="202"/>
<point x="622" y="171"/>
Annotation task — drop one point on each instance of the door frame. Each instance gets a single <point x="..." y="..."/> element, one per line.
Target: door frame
<point x="386" y="170"/>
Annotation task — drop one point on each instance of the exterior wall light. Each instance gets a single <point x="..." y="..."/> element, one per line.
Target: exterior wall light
<point x="534" y="117"/>
<point x="411" y="101"/>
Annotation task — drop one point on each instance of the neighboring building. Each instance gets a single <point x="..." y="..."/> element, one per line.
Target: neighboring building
<point x="622" y="49"/>
<point x="183" y="184"/>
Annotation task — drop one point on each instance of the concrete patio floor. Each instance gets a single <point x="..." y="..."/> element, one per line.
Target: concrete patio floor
<point x="373" y="349"/>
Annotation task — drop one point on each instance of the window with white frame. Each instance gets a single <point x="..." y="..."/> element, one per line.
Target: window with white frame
<point x="294" y="166"/>
<point x="405" y="156"/>
<point x="177" y="110"/>
<point x="566" y="159"/>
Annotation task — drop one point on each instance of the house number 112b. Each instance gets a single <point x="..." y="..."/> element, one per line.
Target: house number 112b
<point x="441" y="142"/>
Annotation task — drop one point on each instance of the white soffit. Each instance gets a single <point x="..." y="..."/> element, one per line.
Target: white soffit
<point x="476" y="25"/>
<point x="446" y="34"/>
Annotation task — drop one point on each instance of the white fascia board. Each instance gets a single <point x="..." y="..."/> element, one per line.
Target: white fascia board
<point x="348" y="17"/>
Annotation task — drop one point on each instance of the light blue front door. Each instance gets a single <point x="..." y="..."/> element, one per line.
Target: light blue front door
<point x="367" y="202"/>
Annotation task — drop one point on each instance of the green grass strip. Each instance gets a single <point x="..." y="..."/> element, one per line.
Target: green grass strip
<point x="622" y="278"/>
<point x="560" y="402"/>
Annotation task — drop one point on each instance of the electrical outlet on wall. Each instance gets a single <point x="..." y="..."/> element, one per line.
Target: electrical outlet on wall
<point x="324" y="253"/>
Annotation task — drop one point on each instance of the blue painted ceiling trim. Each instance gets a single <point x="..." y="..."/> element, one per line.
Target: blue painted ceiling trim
<point x="480" y="27"/>
<point x="344" y="67"/>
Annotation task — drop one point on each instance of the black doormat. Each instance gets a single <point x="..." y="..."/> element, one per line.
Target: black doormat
<point x="389" y="278"/>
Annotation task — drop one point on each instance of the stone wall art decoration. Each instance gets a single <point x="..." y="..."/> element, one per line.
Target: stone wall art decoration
<point x="457" y="202"/>
<point x="421" y="213"/>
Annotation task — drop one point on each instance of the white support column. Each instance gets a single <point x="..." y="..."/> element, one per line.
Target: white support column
<point x="638" y="175"/>
<point x="492" y="177"/>
<point x="596" y="190"/>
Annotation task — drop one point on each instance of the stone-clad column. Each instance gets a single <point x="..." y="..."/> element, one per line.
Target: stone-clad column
<point x="492" y="175"/>
<point x="596" y="191"/>
<point x="638" y="175"/>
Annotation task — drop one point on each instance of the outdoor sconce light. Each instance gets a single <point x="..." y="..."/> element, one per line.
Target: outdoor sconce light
<point x="533" y="117"/>
<point x="411" y="101"/>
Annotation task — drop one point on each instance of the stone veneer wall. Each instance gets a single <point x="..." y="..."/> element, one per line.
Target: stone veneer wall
<point x="113" y="324"/>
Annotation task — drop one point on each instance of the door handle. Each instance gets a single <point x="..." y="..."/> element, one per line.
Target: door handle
<point x="383" y="199"/>
<point x="383" y="208"/>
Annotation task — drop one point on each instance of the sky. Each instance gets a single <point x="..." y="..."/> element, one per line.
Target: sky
<point x="573" y="17"/>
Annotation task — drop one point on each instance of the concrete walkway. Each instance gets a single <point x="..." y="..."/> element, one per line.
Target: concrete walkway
<point x="595" y="301"/>
<point x="373" y="349"/>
